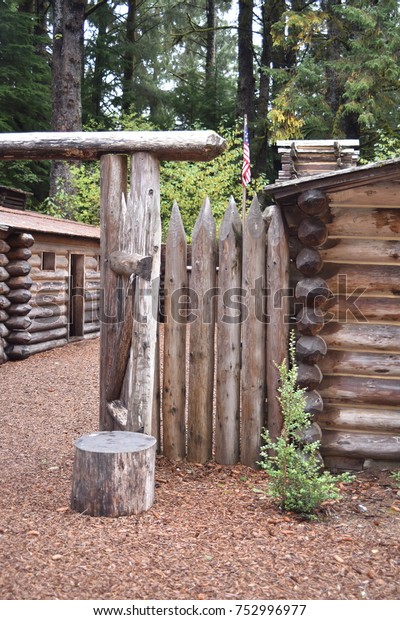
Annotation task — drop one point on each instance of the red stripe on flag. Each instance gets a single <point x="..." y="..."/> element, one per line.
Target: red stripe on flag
<point x="246" y="171"/>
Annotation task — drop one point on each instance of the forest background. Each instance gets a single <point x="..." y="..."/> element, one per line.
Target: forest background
<point x="297" y="68"/>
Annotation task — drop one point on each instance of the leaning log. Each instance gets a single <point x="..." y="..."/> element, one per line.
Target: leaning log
<point x="113" y="474"/>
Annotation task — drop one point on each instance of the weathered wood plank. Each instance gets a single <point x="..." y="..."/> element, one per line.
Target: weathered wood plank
<point x="227" y="427"/>
<point x="253" y="337"/>
<point x="201" y="361"/>
<point x="381" y="223"/>
<point x="143" y="205"/>
<point x="342" y="417"/>
<point x="366" y="390"/>
<point x="174" y="386"/>
<point x="164" y="145"/>
<point x="278" y="313"/>
<point x="116" y="325"/>
<point x="379" y="364"/>
<point x="362" y="337"/>
<point x="361" y="445"/>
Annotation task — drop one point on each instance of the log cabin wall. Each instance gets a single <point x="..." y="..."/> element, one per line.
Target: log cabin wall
<point x="345" y="254"/>
<point x="42" y="307"/>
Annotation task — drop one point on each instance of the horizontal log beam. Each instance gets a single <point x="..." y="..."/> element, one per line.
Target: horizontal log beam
<point x="361" y="390"/>
<point x="342" y="417"/>
<point x="165" y="145"/>
<point x="360" y="445"/>
<point x="373" y="364"/>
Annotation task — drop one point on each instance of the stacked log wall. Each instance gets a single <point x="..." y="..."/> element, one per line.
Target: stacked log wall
<point x="360" y="323"/>
<point x="91" y="326"/>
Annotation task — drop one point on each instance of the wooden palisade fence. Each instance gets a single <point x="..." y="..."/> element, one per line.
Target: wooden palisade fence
<point x="215" y="324"/>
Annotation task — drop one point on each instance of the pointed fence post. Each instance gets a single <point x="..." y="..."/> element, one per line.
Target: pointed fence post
<point x="227" y="428"/>
<point x="201" y="367"/>
<point x="278" y="313"/>
<point x="253" y="336"/>
<point x="174" y="385"/>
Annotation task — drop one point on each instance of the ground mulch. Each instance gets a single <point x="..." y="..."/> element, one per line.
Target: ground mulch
<point x="211" y="533"/>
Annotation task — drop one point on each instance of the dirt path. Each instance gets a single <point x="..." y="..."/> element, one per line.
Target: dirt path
<point x="208" y="536"/>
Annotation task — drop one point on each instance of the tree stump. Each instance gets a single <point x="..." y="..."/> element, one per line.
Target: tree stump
<point x="113" y="473"/>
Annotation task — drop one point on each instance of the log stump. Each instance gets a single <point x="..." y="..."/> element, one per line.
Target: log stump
<point x="113" y="473"/>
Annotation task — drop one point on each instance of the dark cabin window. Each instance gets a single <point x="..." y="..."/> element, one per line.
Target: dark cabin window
<point x="48" y="261"/>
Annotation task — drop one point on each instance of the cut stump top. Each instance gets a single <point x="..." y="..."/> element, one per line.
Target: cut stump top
<point x="115" y="442"/>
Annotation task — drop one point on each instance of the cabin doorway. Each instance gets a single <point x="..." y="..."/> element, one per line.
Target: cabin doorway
<point x="77" y="296"/>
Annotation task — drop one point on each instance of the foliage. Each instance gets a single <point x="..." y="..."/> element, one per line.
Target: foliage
<point x="295" y="473"/>
<point x="24" y="94"/>
<point x="396" y="477"/>
<point x="345" y="78"/>
<point x="190" y="182"/>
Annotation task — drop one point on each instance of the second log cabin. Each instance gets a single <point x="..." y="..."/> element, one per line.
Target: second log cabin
<point x="49" y="282"/>
<point x="344" y="238"/>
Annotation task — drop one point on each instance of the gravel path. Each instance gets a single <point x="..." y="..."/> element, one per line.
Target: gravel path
<point x="209" y="535"/>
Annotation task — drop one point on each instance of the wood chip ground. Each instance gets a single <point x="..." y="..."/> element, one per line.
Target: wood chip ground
<point x="211" y="534"/>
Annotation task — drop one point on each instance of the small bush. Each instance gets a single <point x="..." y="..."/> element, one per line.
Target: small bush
<point x="296" y="479"/>
<point x="396" y="477"/>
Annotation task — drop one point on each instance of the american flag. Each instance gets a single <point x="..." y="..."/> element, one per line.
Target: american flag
<point x="246" y="172"/>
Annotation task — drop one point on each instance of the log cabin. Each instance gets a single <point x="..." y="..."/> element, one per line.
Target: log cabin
<point x="49" y="282"/>
<point x="343" y="228"/>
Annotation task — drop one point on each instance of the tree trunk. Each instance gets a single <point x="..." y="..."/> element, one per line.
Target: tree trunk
<point x="246" y="80"/>
<point x="129" y="56"/>
<point x="68" y="27"/>
<point x="211" y="50"/>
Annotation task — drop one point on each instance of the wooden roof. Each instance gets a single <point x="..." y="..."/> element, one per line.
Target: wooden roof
<point x="337" y="179"/>
<point x="30" y="221"/>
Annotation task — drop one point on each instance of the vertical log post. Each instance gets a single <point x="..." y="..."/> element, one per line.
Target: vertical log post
<point x="278" y="313"/>
<point x="253" y="337"/>
<point x="113" y="288"/>
<point x="144" y="205"/>
<point x="174" y="387"/>
<point x="227" y="428"/>
<point x="201" y="367"/>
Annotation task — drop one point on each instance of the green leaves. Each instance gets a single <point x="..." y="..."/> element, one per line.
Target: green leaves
<point x="294" y="470"/>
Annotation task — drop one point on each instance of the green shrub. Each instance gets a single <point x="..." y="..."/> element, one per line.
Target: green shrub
<point x="296" y="479"/>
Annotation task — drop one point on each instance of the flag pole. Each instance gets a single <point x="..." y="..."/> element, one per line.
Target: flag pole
<point x="246" y="170"/>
